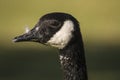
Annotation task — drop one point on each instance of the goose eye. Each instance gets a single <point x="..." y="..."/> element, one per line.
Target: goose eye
<point x="55" y="23"/>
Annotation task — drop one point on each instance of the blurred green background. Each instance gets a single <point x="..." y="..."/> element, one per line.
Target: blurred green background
<point x="100" y="27"/>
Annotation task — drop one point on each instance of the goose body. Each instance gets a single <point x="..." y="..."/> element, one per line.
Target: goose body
<point x="61" y="30"/>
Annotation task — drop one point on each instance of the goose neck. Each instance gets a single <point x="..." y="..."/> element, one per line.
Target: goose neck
<point x="72" y="59"/>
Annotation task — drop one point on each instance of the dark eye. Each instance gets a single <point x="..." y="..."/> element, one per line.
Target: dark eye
<point x="55" y="23"/>
<point x="52" y="24"/>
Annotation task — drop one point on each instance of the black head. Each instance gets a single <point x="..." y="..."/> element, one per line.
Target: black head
<point x="56" y="29"/>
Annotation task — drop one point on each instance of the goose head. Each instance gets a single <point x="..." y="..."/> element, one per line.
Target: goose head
<point x="55" y="29"/>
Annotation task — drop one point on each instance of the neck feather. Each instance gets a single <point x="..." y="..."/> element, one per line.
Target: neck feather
<point x="72" y="60"/>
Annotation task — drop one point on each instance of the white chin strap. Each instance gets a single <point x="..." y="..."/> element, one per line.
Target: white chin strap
<point x="61" y="38"/>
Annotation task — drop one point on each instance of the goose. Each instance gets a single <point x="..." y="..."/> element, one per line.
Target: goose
<point x="61" y="30"/>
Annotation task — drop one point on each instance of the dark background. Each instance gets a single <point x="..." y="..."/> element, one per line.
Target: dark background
<point x="100" y="27"/>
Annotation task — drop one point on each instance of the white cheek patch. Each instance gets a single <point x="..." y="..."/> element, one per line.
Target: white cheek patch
<point x="63" y="36"/>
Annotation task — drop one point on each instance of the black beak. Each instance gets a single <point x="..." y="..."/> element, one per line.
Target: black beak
<point x="24" y="37"/>
<point x="31" y="36"/>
